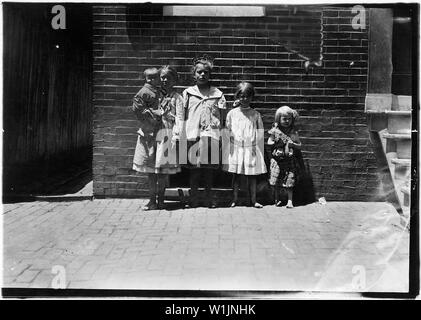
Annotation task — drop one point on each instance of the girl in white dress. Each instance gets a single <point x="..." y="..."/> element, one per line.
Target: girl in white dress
<point x="246" y="147"/>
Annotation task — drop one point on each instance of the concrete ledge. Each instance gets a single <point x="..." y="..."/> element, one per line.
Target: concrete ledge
<point x="391" y="112"/>
<point x="377" y="121"/>
<point x="387" y="103"/>
<point x="401" y="103"/>
<point x="397" y="136"/>
<point x="402" y="162"/>
<point x="378" y="102"/>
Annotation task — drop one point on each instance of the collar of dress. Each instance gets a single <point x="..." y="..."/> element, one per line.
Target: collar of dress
<point x="214" y="93"/>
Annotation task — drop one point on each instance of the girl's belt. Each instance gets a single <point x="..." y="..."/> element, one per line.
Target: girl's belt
<point x="243" y="144"/>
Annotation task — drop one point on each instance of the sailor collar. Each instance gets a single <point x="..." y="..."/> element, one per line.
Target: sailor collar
<point x="213" y="92"/>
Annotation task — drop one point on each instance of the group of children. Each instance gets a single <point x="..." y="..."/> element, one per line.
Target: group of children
<point x="200" y="121"/>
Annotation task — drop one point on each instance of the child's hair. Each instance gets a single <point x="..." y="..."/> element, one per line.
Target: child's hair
<point x="285" y="110"/>
<point x="244" y="88"/>
<point x="170" y="70"/>
<point x="206" y="60"/>
<point x="150" y="73"/>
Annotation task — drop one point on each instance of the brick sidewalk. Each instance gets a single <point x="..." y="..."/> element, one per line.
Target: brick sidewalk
<point x="113" y="244"/>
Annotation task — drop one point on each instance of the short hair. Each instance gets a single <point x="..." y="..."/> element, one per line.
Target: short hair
<point x="170" y="70"/>
<point x="150" y="73"/>
<point x="245" y="88"/>
<point x="206" y="60"/>
<point x="285" y="110"/>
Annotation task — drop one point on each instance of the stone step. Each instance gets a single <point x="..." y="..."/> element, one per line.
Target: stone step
<point x="391" y="112"/>
<point x="401" y="173"/>
<point x="399" y="143"/>
<point x="406" y="196"/>
<point x="401" y="103"/>
<point x="399" y="122"/>
<point x="397" y="136"/>
<point x="405" y="218"/>
<point x="222" y="196"/>
<point x="402" y="168"/>
<point x="395" y="121"/>
<point x="183" y="194"/>
<point x="402" y="162"/>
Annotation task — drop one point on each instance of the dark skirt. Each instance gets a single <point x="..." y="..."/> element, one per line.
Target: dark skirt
<point x="201" y="153"/>
<point x="284" y="172"/>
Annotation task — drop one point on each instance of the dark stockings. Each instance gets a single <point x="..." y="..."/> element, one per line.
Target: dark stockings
<point x="157" y="185"/>
<point x="152" y="178"/>
<point x="251" y="188"/>
<point x="195" y="176"/>
<point x="276" y="194"/>
<point x="162" y="183"/>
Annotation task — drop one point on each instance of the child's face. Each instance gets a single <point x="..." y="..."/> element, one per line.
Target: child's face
<point x="285" y="121"/>
<point x="167" y="80"/>
<point x="244" y="100"/>
<point x="153" y="80"/>
<point x="202" y="74"/>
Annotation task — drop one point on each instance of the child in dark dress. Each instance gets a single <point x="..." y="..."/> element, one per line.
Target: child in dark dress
<point x="283" y="139"/>
<point x="146" y="103"/>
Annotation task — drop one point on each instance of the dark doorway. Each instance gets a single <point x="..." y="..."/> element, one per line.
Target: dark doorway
<point x="47" y="114"/>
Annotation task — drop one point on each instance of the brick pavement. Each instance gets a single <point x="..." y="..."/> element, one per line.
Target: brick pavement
<point x="111" y="243"/>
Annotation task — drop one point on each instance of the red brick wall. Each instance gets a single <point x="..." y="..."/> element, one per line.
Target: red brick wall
<point x="330" y="100"/>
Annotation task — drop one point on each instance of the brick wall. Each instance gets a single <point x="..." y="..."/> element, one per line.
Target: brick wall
<point x="330" y="100"/>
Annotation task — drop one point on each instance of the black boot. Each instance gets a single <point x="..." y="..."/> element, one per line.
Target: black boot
<point x="194" y="185"/>
<point x="161" y="197"/>
<point x="151" y="205"/>
<point x="162" y="183"/>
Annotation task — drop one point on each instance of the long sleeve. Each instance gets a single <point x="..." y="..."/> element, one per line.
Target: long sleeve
<point x="139" y="104"/>
<point x="222" y="105"/>
<point x="228" y="122"/>
<point x="179" y="117"/>
<point x="271" y="140"/>
<point x="185" y="101"/>
<point x="180" y="109"/>
<point x="296" y="139"/>
<point x="260" y="134"/>
<point x="146" y="102"/>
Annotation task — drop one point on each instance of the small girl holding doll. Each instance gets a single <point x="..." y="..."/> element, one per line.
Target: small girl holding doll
<point x="246" y="132"/>
<point x="283" y="139"/>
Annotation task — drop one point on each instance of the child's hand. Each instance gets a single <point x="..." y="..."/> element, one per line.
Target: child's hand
<point x="157" y="112"/>
<point x="174" y="141"/>
<point x="147" y="111"/>
<point x="171" y="115"/>
<point x="277" y="153"/>
<point x="288" y="149"/>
